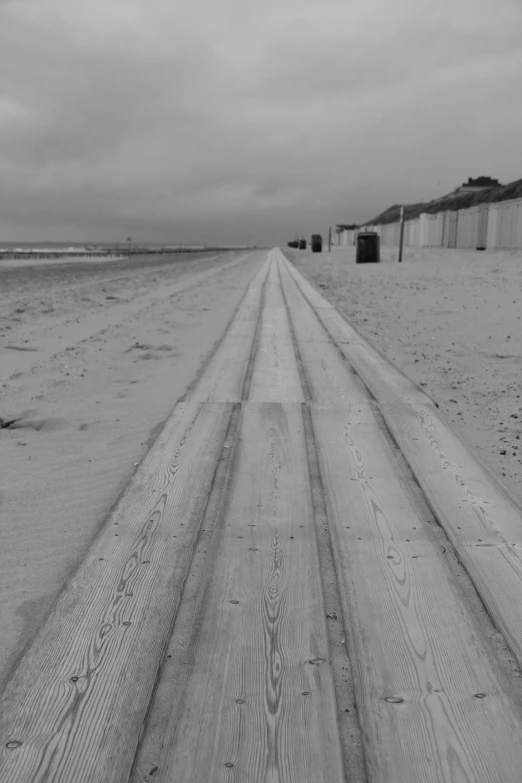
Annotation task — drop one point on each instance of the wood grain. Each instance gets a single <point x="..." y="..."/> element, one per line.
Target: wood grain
<point x="480" y="517"/>
<point x="275" y="376"/>
<point x="412" y="636"/>
<point x="329" y="379"/>
<point x="385" y="380"/>
<point x="223" y="378"/>
<point x="74" y="708"/>
<point x="413" y="640"/>
<point x="260" y="704"/>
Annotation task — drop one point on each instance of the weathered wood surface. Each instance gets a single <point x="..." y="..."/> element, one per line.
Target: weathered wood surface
<point x="329" y="379"/>
<point x="480" y="517"/>
<point x="481" y="520"/>
<point x="74" y="709"/>
<point x="260" y="704"/>
<point x="275" y="376"/>
<point x="222" y="380"/>
<point x="385" y="380"/>
<point x="412" y="636"/>
<point x="258" y="701"/>
<point x="413" y="639"/>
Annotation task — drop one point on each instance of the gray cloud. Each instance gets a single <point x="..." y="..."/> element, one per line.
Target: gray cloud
<point x="220" y="120"/>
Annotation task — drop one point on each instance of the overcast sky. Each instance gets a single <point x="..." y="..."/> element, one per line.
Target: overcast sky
<point x="235" y="120"/>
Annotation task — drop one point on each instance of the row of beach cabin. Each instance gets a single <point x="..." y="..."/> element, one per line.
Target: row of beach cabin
<point x="495" y="226"/>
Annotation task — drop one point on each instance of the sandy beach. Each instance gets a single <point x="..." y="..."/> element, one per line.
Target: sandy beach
<point x="93" y="357"/>
<point x="305" y="505"/>
<point x="42" y="260"/>
<point x="450" y="320"/>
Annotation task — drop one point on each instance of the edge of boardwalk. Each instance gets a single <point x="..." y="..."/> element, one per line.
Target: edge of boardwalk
<point x="478" y="513"/>
<point x="74" y="706"/>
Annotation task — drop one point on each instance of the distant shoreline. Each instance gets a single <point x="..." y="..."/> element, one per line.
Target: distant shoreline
<point x="33" y="257"/>
<point x="34" y="250"/>
<point x="68" y="255"/>
<point x="87" y="250"/>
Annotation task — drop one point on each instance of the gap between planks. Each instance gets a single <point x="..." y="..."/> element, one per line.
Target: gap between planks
<point x="468" y="501"/>
<point x="74" y="707"/>
<point x="260" y="703"/>
<point x="412" y="637"/>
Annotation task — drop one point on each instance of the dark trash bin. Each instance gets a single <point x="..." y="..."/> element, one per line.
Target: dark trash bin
<point x="317" y="243"/>
<point x="367" y="248"/>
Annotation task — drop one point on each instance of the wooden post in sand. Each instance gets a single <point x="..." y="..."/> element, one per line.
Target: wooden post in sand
<point x="401" y="237"/>
<point x="330" y="239"/>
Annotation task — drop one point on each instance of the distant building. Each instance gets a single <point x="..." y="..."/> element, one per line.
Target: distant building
<point x="471" y="186"/>
<point x="345" y="227"/>
<point x="477" y="184"/>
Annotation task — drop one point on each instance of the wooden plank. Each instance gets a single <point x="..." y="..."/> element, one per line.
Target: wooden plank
<point x="275" y="375"/>
<point x="329" y="379"/>
<point x="478" y="514"/>
<point x="260" y="704"/>
<point x="386" y="382"/>
<point x="74" y="708"/>
<point x="481" y="519"/>
<point x="454" y="478"/>
<point x="411" y="634"/>
<point x="412" y="639"/>
<point x="223" y="378"/>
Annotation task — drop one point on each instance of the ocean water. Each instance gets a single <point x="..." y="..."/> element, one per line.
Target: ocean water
<point x="79" y="247"/>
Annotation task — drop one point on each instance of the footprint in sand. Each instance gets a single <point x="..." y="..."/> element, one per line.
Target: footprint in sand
<point x="88" y="426"/>
<point x="148" y="347"/>
<point x="157" y="355"/>
<point x="151" y="351"/>
<point x="21" y="348"/>
<point x="28" y="419"/>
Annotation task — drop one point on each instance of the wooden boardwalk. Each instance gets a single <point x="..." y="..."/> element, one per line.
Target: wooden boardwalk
<point x="310" y="579"/>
